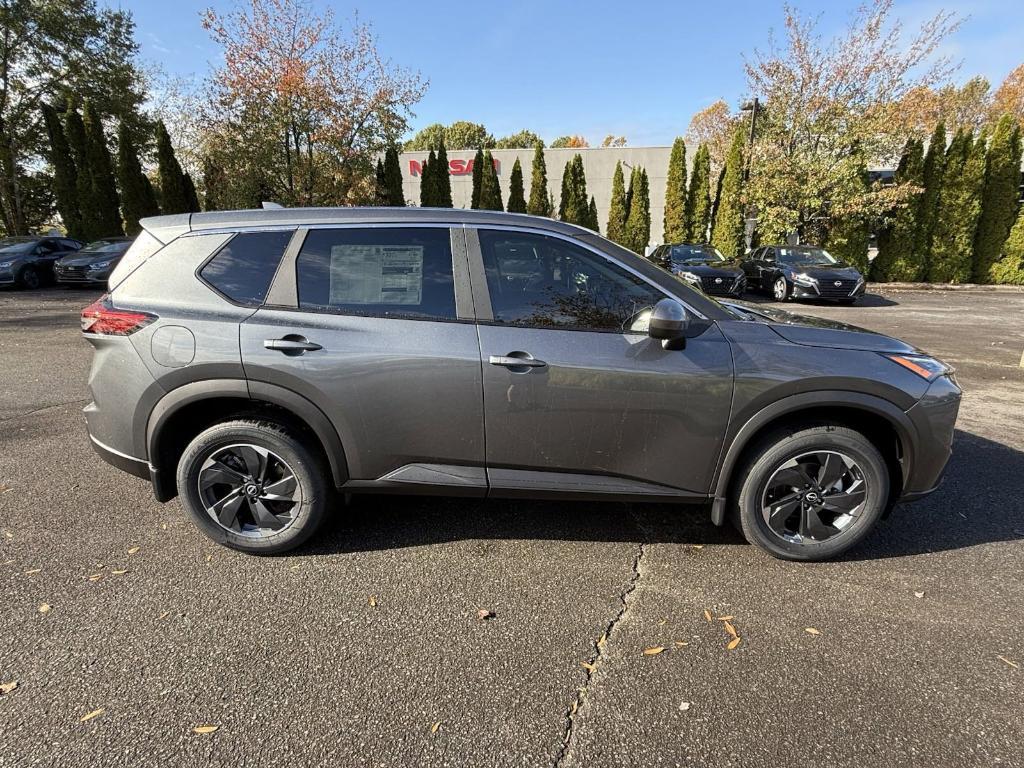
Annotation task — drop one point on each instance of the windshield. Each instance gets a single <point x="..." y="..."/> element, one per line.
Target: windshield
<point x="14" y="245"/>
<point x="806" y="256"/>
<point x="107" y="246"/>
<point x="688" y="254"/>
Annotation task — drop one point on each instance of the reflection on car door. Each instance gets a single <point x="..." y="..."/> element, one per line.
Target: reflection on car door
<point x="575" y="392"/>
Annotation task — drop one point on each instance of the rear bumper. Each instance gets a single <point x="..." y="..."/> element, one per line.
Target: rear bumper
<point x="124" y="462"/>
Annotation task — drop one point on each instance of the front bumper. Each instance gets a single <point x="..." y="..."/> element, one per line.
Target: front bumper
<point x="830" y="294"/>
<point x="7" y="276"/>
<point x="934" y="420"/>
<point x="80" y="276"/>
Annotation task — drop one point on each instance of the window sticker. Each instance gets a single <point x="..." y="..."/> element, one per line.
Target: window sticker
<point x="376" y="274"/>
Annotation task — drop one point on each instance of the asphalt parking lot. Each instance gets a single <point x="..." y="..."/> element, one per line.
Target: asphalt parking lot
<point x="365" y="648"/>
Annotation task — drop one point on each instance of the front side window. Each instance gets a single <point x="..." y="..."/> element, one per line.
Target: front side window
<point x="243" y="268"/>
<point x="378" y="271"/>
<point x="547" y="282"/>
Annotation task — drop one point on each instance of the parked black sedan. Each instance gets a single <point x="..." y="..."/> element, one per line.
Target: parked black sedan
<point x="27" y="262"/>
<point x="802" y="272"/>
<point x="93" y="264"/>
<point x="703" y="267"/>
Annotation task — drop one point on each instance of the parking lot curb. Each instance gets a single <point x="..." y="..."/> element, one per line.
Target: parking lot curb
<point x="883" y="287"/>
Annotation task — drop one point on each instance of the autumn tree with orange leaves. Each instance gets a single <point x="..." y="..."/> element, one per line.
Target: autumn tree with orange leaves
<point x="301" y="107"/>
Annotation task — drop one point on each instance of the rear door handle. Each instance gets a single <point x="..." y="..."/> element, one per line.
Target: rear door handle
<point x="292" y="344"/>
<point x="514" y="360"/>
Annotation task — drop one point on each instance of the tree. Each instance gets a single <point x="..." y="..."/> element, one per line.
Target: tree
<point x="459" y="135"/>
<point x="573" y="205"/>
<point x="1009" y="97"/>
<point x="173" y="190"/>
<point x="90" y="227"/>
<point x="393" y="178"/>
<point x="959" y="209"/>
<point x="214" y="184"/>
<point x="522" y="140"/>
<point x="713" y="126"/>
<point x="516" y="196"/>
<point x="675" y="194"/>
<point x="191" y="196"/>
<point x="490" y="189"/>
<point x="478" y="178"/>
<point x="65" y="174"/>
<point x="849" y="232"/>
<point x="310" y="103"/>
<point x="638" y="223"/>
<point x="569" y="142"/>
<point x="540" y="198"/>
<point x="592" y="220"/>
<point x="1010" y="268"/>
<point x="931" y="178"/>
<point x="137" y="201"/>
<point x="428" y="186"/>
<point x="443" y="180"/>
<point x="899" y="257"/>
<point x="697" y="212"/>
<point x="829" y="103"/>
<point x="966" y="106"/>
<point x="613" y="141"/>
<point x="998" y="197"/>
<point x="617" y="212"/>
<point x="101" y="176"/>
<point x="50" y="49"/>
<point x="727" y="234"/>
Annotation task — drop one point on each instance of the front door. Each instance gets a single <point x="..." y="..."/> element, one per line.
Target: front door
<point x="372" y="331"/>
<point x="575" y="392"/>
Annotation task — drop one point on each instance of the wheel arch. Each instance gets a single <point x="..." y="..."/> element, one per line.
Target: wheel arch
<point x="187" y="410"/>
<point x="884" y="423"/>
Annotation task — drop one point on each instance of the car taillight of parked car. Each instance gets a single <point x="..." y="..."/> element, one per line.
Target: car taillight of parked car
<point x="102" y="318"/>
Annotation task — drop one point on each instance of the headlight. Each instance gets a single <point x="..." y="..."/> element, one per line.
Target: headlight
<point x="5" y="264"/>
<point x="689" y="277"/>
<point x="100" y="264"/>
<point x="804" y="279"/>
<point x="927" y="368"/>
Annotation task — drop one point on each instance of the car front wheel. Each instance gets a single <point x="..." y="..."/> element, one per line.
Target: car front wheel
<point x="254" y="486"/>
<point x="29" y="278"/>
<point x="811" y="493"/>
<point x="780" y="289"/>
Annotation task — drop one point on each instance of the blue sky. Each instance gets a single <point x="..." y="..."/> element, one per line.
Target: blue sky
<point x="639" y="69"/>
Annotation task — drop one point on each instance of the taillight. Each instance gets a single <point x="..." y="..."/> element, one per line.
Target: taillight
<point x="104" y="319"/>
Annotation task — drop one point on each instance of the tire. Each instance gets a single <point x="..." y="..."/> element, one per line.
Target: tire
<point x="240" y="469"/>
<point x="781" y="289"/>
<point x="29" y="278"/>
<point x="810" y="531"/>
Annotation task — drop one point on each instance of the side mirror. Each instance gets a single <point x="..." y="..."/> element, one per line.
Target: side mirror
<point x="669" y="323"/>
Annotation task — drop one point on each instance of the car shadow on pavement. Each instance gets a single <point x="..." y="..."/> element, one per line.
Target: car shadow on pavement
<point x="978" y="503"/>
<point x="793" y="305"/>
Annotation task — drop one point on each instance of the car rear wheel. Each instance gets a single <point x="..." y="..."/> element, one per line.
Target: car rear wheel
<point x="29" y="278"/>
<point x="780" y="289"/>
<point x="812" y="493"/>
<point x="253" y="486"/>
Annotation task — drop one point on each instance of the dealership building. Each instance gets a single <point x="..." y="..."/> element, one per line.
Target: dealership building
<point x="598" y="165"/>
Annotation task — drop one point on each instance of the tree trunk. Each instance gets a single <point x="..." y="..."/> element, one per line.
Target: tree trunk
<point x="10" y="189"/>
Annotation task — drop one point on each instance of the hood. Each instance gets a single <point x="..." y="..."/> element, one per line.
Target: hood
<point x="818" y="332"/>
<point x="84" y="259"/>
<point x="708" y="268"/>
<point x="832" y="272"/>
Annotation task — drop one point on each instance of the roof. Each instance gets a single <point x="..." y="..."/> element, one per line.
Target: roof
<point x="168" y="227"/>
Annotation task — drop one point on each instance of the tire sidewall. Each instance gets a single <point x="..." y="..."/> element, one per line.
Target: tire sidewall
<point x="787" y="447"/>
<point x="785" y="293"/>
<point x="23" y="278"/>
<point x="308" y="473"/>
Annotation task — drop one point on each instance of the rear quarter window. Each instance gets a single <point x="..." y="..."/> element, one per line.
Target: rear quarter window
<point x="243" y="268"/>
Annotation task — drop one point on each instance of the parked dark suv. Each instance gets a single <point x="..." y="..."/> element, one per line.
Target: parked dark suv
<point x="256" y="362"/>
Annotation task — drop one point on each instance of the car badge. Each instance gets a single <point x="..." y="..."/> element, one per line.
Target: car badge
<point x="838" y="283"/>
<point x="718" y="280"/>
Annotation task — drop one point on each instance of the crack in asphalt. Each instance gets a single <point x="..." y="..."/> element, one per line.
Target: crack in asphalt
<point x="599" y="650"/>
<point x="34" y="411"/>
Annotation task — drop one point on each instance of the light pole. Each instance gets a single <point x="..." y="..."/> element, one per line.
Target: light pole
<point x="750" y="216"/>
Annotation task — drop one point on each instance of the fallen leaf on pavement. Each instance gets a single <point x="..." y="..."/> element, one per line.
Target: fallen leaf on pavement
<point x="729" y="628"/>
<point x="372" y="602"/>
<point x="602" y="640"/>
<point x="44" y="608"/>
<point x="120" y="573"/>
<point x="8" y="687"/>
<point x="662" y="622"/>
<point x="205" y="728"/>
<point x="696" y="546"/>
<point x="133" y="550"/>
<point x="654" y="650"/>
<point x="483" y="614"/>
<point x="91" y="715"/>
<point x="732" y="644"/>
<point x="707" y="615"/>
<point x="435" y="727"/>
<point x="683" y="706"/>
<point x="812" y="631"/>
<point x="163" y="615"/>
<point x="919" y="594"/>
<point x="1013" y="664"/>
<point x="96" y="577"/>
<point x="681" y="643"/>
<point x="588" y="666"/>
<point x="725" y="618"/>
<point x="30" y="571"/>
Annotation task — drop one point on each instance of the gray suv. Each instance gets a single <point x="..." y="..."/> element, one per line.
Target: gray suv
<point x="255" y="363"/>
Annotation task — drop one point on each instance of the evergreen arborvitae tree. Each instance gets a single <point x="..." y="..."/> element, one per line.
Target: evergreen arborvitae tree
<point x="617" y="213"/>
<point x="959" y="209"/>
<point x="101" y="171"/>
<point x="999" y="196"/>
<point x="516" y="196"/>
<point x="191" y="196"/>
<point x="573" y="206"/>
<point x="490" y="189"/>
<point x="1009" y="269"/>
<point x="443" y="180"/>
<point x="380" y="184"/>
<point x="898" y="258"/>
<point x="65" y="174"/>
<point x="592" y="220"/>
<point x="214" y="182"/>
<point x="173" y="190"/>
<point x="698" y="197"/>
<point x="150" y="195"/>
<point x="849" y="234"/>
<point x="135" y="201"/>
<point x="478" y="176"/>
<point x="728" y="232"/>
<point x="427" y="184"/>
<point x="931" y="179"/>
<point x="675" y="194"/>
<point x="638" y="223"/>
<point x="540" y="198"/>
<point x="89" y="227"/>
<point x="393" y="178"/>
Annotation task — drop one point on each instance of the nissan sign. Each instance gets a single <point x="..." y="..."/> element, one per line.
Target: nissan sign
<point x="456" y="167"/>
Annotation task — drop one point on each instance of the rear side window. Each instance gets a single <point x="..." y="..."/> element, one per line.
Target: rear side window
<point x="378" y="271"/>
<point x="242" y="269"/>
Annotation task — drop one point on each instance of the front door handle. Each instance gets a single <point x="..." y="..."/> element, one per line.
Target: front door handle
<point x="517" y="362"/>
<point x="292" y="344"/>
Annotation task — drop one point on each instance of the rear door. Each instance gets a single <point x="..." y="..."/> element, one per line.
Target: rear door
<point x="375" y="326"/>
<point x="577" y="397"/>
